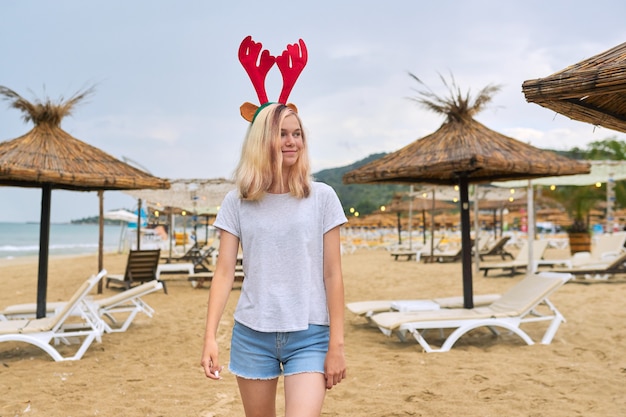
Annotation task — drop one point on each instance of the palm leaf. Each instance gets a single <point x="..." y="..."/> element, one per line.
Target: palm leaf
<point x="457" y="107"/>
<point x="47" y="111"/>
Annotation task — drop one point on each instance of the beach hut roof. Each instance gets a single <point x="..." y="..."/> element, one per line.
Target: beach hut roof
<point x="592" y="91"/>
<point x="49" y="155"/>
<point x="417" y="204"/>
<point x="464" y="147"/>
<point x="194" y="195"/>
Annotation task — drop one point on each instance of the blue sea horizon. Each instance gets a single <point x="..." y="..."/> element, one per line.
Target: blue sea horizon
<point x="22" y="239"/>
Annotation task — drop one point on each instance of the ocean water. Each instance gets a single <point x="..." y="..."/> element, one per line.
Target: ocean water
<point x="22" y="239"/>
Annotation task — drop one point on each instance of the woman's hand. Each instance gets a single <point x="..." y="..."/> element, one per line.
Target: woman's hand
<point x="210" y="360"/>
<point x="334" y="367"/>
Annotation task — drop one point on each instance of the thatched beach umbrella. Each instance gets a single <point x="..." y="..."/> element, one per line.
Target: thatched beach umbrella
<point x="49" y="158"/>
<point x="592" y="91"/>
<point x="420" y="201"/>
<point x="460" y="152"/>
<point x="200" y="196"/>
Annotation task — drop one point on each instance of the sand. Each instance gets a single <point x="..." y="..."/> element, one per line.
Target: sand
<point x="153" y="368"/>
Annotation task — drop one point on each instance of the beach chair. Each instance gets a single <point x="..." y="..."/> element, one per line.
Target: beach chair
<point x="599" y="270"/>
<point x="198" y="279"/>
<point x="425" y="253"/>
<point x="496" y="249"/>
<point x="608" y="247"/>
<point x="452" y="255"/>
<point x="521" y="261"/>
<point x="127" y="304"/>
<point x="141" y="267"/>
<point x="525" y="302"/>
<point x="47" y="332"/>
<point x="197" y="256"/>
<point x="367" y="309"/>
<point x="416" y="254"/>
<point x="455" y="254"/>
<point x="406" y="255"/>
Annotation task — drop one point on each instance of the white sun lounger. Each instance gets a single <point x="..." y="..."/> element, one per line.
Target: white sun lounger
<point x="369" y="308"/>
<point x="521" y="261"/>
<point x="47" y="332"/>
<point x="128" y="303"/>
<point x="526" y="302"/>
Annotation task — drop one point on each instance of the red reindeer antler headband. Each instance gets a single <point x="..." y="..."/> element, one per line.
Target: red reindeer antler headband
<point x="290" y="63"/>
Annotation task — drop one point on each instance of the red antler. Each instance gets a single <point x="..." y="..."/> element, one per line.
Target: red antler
<point x="248" y="56"/>
<point x="291" y="63"/>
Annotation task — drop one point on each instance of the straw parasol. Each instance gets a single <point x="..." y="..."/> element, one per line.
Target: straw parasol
<point x="592" y="91"/>
<point x="49" y="158"/>
<point x="419" y="201"/>
<point x="460" y="152"/>
<point x="200" y="196"/>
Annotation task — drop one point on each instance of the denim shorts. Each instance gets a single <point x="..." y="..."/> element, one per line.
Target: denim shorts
<point x="267" y="355"/>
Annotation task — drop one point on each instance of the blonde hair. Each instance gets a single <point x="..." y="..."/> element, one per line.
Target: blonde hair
<point x="261" y="162"/>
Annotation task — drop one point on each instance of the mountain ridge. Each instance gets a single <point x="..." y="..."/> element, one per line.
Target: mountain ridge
<point x="364" y="198"/>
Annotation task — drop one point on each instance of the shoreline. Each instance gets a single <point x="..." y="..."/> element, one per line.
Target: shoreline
<point x="34" y="259"/>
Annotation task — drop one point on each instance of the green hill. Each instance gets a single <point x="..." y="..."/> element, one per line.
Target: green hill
<point x="364" y="198"/>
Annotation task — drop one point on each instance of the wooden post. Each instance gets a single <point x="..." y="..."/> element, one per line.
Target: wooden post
<point x="100" y="236"/>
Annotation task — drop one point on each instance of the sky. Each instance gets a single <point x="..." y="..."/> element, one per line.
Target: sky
<point x="168" y="83"/>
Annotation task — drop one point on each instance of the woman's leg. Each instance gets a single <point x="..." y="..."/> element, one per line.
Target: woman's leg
<point x="258" y="396"/>
<point x="304" y="394"/>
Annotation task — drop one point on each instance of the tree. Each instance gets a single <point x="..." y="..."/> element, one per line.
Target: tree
<point x="609" y="148"/>
<point x="580" y="200"/>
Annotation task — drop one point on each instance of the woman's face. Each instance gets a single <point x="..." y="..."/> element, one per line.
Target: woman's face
<point x="290" y="140"/>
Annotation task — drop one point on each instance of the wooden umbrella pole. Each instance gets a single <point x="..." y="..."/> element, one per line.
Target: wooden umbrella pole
<point x="399" y="230"/>
<point x="170" y="232"/>
<point x="432" y="230"/>
<point x="44" y="247"/>
<point x="466" y="243"/>
<point x="424" y="227"/>
<point x="476" y="230"/>
<point x="100" y="237"/>
<point x="139" y="224"/>
<point x="410" y="223"/>
<point x="530" y="201"/>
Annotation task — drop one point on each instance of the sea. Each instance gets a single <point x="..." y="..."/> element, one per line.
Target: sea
<point x="22" y="239"/>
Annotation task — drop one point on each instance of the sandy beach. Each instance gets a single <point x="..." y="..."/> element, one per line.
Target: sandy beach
<point x="153" y="368"/>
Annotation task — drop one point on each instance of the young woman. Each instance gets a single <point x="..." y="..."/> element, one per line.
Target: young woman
<point x="289" y="318"/>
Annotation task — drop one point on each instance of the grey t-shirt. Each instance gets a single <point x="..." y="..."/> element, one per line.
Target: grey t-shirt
<point x="282" y="241"/>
